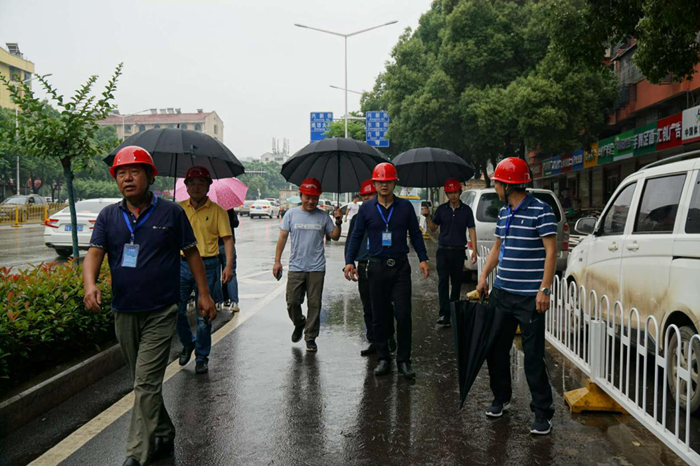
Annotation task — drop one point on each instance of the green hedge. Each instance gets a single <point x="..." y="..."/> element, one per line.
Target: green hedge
<point x="43" y="321"/>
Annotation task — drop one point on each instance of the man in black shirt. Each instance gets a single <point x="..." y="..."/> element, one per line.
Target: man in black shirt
<point x="454" y="219"/>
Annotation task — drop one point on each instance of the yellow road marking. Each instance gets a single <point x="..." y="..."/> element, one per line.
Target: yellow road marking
<point x="84" y="434"/>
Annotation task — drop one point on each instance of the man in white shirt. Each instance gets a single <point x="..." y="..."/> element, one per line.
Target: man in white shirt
<point x="353" y="208"/>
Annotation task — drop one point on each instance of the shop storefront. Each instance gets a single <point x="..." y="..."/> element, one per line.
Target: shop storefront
<point x="586" y="179"/>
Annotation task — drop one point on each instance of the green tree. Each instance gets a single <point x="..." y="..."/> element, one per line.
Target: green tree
<point x="268" y="183"/>
<point x="68" y="136"/>
<point x="356" y="128"/>
<point x="90" y="189"/>
<point x="666" y="33"/>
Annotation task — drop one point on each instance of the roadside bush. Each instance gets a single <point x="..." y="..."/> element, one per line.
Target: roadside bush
<point x="43" y="321"/>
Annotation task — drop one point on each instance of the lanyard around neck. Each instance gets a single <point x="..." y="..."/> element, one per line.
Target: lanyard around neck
<point x="386" y="220"/>
<point x="141" y="221"/>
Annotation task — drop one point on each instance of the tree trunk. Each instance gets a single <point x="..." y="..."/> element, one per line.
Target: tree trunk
<point x="68" y="175"/>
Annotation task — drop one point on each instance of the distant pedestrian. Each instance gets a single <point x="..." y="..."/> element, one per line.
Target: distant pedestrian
<point x="353" y="208"/>
<point x="525" y="252"/>
<point x="368" y="192"/>
<point x="142" y="237"/>
<point x="307" y="225"/>
<point x="210" y="223"/>
<point x="454" y="218"/>
<point x="388" y="220"/>
<point x="231" y="289"/>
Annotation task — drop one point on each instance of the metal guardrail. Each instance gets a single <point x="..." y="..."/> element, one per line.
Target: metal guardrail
<point x="619" y="352"/>
<point x="18" y="215"/>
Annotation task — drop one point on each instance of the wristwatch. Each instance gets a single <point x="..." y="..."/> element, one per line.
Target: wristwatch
<point x="546" y="291"/>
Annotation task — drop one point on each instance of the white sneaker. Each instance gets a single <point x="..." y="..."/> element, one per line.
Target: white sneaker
<point x="234" y="307"/>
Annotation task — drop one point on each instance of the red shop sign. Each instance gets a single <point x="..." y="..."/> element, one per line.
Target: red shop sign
<point x="567" y="162"/>
<point x="669" y="132"/>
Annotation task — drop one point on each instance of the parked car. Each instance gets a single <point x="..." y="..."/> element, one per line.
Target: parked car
<point x="264" y="208"/>
<point x="486" y="205"/>
<point x="644" y="251"/>
<point x="58" y="235"/>
<point x="31" y="206"/>
<point x="245" y="208"/>
<point x="326" y="206"/>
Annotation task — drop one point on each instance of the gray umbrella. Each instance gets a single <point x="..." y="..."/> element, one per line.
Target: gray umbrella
<point x="429" y="167"/>
<point x="174" y="151"/>
<point x="340" y="164"/>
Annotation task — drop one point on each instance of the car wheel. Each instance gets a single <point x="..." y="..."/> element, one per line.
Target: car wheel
<point x="686" y="333"/>
<point x="64" y="253"/>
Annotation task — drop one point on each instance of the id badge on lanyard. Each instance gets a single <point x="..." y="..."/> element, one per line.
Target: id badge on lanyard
<point x="130" y="254"/>
<point x="386" y="235"/>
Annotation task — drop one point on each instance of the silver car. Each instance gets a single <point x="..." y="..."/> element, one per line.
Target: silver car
<point x="486" y="205"/>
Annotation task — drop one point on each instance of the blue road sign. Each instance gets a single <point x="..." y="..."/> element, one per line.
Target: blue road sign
<point x="376" y="126"/>
<point x="320" y="124"/>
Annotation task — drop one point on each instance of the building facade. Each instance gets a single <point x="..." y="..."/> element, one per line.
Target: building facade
<point x="649" y="122"/>
<point x="205" y="122"/>
<point x="13" y="65"/>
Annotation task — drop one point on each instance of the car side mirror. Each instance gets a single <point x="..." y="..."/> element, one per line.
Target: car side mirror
<point x="586" y="225"/>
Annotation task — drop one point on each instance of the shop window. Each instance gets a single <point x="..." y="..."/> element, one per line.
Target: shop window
<point x="692" y="225"/>
<point x="616" y="216"/>
<point x="659" y="206"/>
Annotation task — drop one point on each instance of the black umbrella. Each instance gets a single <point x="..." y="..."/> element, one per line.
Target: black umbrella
<point x="474" y="333"/>
<point x="429" y="167"/>
<point x="340" y="164"/>
<point x="174" y="151"/>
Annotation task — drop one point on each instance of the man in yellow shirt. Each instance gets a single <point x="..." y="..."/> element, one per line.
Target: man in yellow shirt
<point x="209" y="222"/>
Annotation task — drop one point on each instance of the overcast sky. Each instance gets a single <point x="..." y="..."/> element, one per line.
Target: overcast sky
<point x="244" y="59"/>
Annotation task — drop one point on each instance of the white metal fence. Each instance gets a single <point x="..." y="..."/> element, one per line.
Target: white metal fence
<point x="630" y="358"/>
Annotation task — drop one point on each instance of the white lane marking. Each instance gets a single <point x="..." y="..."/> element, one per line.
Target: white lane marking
<point x="87" y="432"/>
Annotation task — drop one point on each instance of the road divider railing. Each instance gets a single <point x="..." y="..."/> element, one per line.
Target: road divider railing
<point x="633" y="364"/>
<point x="22" y="214"/>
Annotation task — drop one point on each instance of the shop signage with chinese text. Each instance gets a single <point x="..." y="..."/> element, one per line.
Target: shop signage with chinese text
<point x="691" y="125"/>
<point x="669" y="132"/>
<point x="590" y="157"/>
<point x="644" y="139"/>
<point x="624" y="145"/>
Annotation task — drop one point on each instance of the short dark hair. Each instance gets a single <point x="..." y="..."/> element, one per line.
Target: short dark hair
<point x="356" y="196"/>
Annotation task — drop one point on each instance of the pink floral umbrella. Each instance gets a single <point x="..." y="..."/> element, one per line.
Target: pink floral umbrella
<point x="227" y="192"/>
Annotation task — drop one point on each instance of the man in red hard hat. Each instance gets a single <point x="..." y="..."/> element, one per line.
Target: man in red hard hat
<point x="209" y="222"/>
<point x="142" y="237"/>
<point x="454" y="218"/>
<point x="367" y="192"/>
<point x="307" y="225"/>
<point x="388" y="220"/>
<point x="525" y="252"/>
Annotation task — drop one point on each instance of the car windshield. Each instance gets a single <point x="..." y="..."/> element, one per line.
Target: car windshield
<point x="15" y="200"/>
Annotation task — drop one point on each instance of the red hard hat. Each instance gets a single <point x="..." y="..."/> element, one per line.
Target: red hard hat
<point x="132" y="155"/>
<point x="310" y="187"/>
<point x="512" y="171"/>
<point x="198" y="172"/>
<point x="384" y="172"/>
<point x="367" y="187"/>
<point x="452" y="185"/>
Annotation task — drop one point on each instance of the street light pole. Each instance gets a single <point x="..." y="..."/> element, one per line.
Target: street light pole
<point x="17" y="126"/>
<point x="345" y="37"/>
<point x="123" y="117"/>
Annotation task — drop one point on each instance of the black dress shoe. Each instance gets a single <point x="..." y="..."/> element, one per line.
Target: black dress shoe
<point x="405" y="370"/>
<point x="162" y="447"/>
<point x="371" y="349"/>
<point x="201" y="367"/>
<point x="392" y="344"/>
<point x="383" y="368"/>
<point x="131" y="462"/>
<point x="298" y="331"/>
<point x="186" y="354"/>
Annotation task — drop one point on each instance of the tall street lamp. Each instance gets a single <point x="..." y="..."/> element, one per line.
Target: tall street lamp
<point x="17" y="124"/>
<point x="345" y="38"/>
<point x="123" y="117"/>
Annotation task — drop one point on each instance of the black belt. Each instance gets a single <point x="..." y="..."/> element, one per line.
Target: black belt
<point x="389" y="261"/>
<point x="453" y="248"/>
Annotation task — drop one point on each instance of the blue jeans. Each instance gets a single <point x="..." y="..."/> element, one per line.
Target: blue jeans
<point x="202" y="343"/>
<point x="232" y="286"/>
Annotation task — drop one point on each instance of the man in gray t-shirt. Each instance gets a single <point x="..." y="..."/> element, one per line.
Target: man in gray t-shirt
<point x="307" y="225"/>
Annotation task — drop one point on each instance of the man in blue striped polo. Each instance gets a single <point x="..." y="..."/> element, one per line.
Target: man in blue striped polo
<point x="525" y="252"/>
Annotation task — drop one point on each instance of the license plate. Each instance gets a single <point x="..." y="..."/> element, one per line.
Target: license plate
<point x="78" y="228"/>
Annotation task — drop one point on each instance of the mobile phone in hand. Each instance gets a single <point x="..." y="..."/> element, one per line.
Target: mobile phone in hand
<point x="279" y="275"/>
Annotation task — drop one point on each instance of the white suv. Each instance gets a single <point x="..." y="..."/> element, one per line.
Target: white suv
<point x="486" y="205"/>
<point x="645" y="249"/>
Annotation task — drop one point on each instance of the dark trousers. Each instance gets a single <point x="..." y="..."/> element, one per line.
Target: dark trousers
<point x="513" y="310"/>
<point x="363" y="287"/>
<point x="450" y="264"/>
<point x="390" y="294"/>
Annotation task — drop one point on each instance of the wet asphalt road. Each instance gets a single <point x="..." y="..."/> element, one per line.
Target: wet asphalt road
<point x="23" y="246"/>
<point x="267" y="401"/>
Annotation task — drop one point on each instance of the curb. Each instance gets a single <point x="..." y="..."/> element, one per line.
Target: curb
<point x="33" y="402"/>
